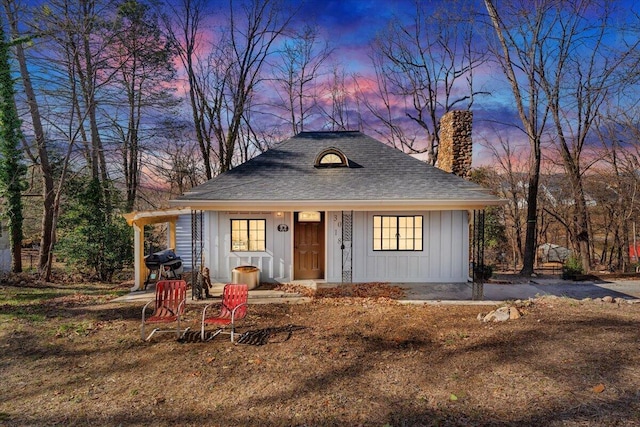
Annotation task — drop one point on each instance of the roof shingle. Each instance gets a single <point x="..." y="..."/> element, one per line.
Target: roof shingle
<point x="377" y="172"/>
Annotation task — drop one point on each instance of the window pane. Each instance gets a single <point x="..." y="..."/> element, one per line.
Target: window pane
<point x="377" y="233"/>
<point x="402" y="245"/>
<point x="409" y="233"/>
<point x="388" y="244"/>
<point x="248" y="235"/>
<point x="330" y="159"/>
<point x="386" y="233"/>
<point x="403" y="221"/>
<point x="393" y="233"/>
<point x="239" y="235"/>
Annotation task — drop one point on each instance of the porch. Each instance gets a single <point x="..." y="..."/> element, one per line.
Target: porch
<point x="439" y="293"/>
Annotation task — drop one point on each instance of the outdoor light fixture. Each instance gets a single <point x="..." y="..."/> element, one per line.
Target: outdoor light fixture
<point x="279" y="214"/>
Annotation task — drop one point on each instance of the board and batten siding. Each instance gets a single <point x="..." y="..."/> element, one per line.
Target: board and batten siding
<point x="183" y="240"/>
<point x="334" y="253"/>
<point x="444" y="258"/>
<point x="275" y="263"/>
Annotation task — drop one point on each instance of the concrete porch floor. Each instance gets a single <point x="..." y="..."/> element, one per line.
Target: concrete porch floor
<point x="440" y="293"/>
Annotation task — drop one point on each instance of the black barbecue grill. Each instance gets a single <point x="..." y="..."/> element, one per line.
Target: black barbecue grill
<point x="164" y="264"/>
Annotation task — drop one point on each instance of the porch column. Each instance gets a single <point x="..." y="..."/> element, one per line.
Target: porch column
<point x="138" y="256"/>
<point x="172" y="234"/>
<point x="478" y="273"/>
<point x="138" y="220"/>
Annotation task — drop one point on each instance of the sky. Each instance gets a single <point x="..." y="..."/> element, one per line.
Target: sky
<point x="351" y="25"/>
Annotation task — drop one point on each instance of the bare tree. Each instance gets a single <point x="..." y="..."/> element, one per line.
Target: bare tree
<point x="177" y="164"/>
<point x="296" y="72"/>
<point x="337" y="110"/>
<point x="40" y="153"/>
<point x="509" y="175"/>
<point x="251" y="37"/>
<point x="185" y="29"/>
<point x="222" y="85"/>
<point x="86" y="43"/>
<point x="141" y="64"/>
<point x="572" y="63"/>
<point x="258" y="135"/>
<point x="72" y="47"/>
<point x="427" y="66"/>
<point x="617" y="129"/>
<point x="519" y="52"/>
<point x="576" y="83"/>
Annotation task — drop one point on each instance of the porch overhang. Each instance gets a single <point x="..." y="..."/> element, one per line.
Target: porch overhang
<point x="138" y="220"/>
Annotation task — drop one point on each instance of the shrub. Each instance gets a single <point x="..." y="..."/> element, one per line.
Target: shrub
<point x="571" y="268"/>
<point x="483" y="271"/>
<point x="93" y="238"/>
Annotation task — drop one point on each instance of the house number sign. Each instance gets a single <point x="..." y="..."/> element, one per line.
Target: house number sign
<point x="283" y="227"/>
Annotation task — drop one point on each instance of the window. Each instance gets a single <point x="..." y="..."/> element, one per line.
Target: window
<point x="331" y="158"/>
<point x="397" y="233"/>
<point x="309" y="216"/>
<point x="248" y="235"/>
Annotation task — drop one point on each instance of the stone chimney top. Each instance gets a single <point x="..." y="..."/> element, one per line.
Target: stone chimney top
<point x="455" y="149"/>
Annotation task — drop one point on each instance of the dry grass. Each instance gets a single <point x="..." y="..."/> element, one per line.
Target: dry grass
<point x="69" y="358"/>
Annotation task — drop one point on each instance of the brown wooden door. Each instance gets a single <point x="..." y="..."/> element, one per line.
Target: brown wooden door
<point x="308" y="253"/>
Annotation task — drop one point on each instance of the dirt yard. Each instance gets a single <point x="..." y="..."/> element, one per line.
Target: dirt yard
<point x="69" y="358"/>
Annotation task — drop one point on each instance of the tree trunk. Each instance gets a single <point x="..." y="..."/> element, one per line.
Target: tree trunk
<point x="532" y="217"/>
<point x="48" y="194"/>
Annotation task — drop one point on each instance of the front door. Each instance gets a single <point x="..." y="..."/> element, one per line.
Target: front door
<point x="308" y="243"/>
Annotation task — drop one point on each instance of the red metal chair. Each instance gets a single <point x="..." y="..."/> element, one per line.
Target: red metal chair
<point x="171" y="297"/>
<point x="232" y="308"/>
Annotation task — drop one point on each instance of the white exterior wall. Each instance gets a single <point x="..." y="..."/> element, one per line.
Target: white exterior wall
<point x="275" y="263"/>
<point x="444" y="258"/>
<point x="334" y="254"/>
<point x="183" y="240"/>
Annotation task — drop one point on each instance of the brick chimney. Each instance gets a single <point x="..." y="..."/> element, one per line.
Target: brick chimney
<point x="455" y="149"/>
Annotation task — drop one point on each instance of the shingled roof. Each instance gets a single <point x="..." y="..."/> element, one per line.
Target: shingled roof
<point x="377" y="176"/>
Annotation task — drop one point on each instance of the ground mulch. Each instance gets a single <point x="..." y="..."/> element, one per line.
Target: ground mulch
<point x="70" y="357"/>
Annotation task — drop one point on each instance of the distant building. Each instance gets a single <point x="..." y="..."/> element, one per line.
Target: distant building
<point x="549" y="252"/>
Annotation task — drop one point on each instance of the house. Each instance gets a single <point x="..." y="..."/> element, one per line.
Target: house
<point x="5" y="249"/>
<point x="334" y="207"/>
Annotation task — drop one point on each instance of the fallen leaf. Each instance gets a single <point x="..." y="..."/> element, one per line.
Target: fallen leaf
<point x="599" y="388"/>
<point x="453" y="397"/>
